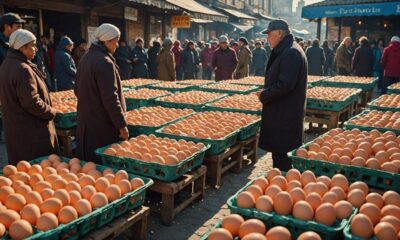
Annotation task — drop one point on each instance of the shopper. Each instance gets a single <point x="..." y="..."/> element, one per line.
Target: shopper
<point x="206" y="61"/>
<point x="123" y="59"/>
<point x="224" y="60"/>
<point x="79" y="51"/>
<point x="377" y="69"/>
<point x="188" y="62"/>
<point x="283" y="96"/>
<point x="152" y="63"/>
<point x="391" y="63"/>
<point x="9" y="23"/>
<point x="329" y="56"/>
<point x="316" y="59"/>
<point x="177" y="50"/>
<point x="65" y="68"/>
<point x="166" y="62"/>
<point x="101" y="104"/>
<point x="140" y="58"/>
<point x="343" y="57"/>
<point x="363" y="59"/>
<point x="244" y="58"/>
<point x="260" y="59"/>
<point x="26" y="107"/>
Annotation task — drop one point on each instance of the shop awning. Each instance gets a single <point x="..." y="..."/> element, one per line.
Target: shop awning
<point x="156" y="3"/>
<point x="242" y="27"/>
<point x="301" y="32"/>
<point x="237" y="14"/>
<point x="200" y="21"/>
<point x="351" y="8"/>
<point x="265" y="17"/>
<point x="199" y="11"/>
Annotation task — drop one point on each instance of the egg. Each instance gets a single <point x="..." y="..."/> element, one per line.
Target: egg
<point x="86" y="180"/>
<point x="325" y="214"/>
<point x="51" y="205"/>
<point x="390" y="210"/>
<point x="101" y="184"/>
<point x="120" y="175"/>
<point x="255" y="190"/>
<point x="5" y="181"/>
<point x="9" y="170"/>
<point x="340" y="181"/>
<point x="325" y="180"/>
<point x="83" y="207"/>
<point x="293" y="174"/>
<point x="20" y="229"/>
<point x="41" y="185"/>
<point x="278" y="233"/>
<point x="71" y="177"/>
<point x="95" y="174"/>
<point x="279" y="181"/>
<point x="88" y="167"/>
<point x="356" y="197"/>
<point x="297" y="194"/>
<point x="15" y="201"/>
<point x="71" y="186"/>
<point x="392" y="220"/>
<point x="107" y="171"/>
<point x="391" y="197"/>
<point x="2" y="230"/>
<point x="264" y="204"/>
<point x="220" y="234"/>
<point x="302" y="210"/>
<point x="47" y="193"/>
<point x="232" y="223"/>
<point x="8" y="216"/>
<point x="272" y="191"/>
<point x="75" y="196"/>
<point x="63" y="195"/>
<point x="309" y="235"/>
<point x="35" y="178"/>
<point x="251" y="226"/>
<point x="67" y="214"/>
<point x="385" y="231"/>
<point x="98" y="200"/>
<point x="343" y="209"/>
<point x="293" y="184"/>
<point x="272" y="173"/>
<point x="307" y="177"/>
<point x="125" y="186"/>
<point x="110" y="178"/>
<point x="371" y="211"/>
<point x="113" y="192"/>
<point x="361" y="226"/>
<point x="330" y="197"/>
<point x="23" y="166"/>
<point x="4" y="192"/>
<point x="47" y="221"/>
<point x="245" y="200"/>
<point x="35" y="198"/>
<point x="283" y="203"/>
<point x="314" y="199"/>
<point x="254" y="236"/>
<point x="137" y="183"/>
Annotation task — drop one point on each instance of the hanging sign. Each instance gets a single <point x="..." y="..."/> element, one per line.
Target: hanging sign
<point x="180" y="22"/>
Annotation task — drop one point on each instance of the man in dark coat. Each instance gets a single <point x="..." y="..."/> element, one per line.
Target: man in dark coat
<point x="152" y="63"/>
<point x="101" y="104"/>
<point x="177" y="50"/>
<point x="65" y="68"/>
<point x="224" y="60"/>
<point x="188" y="61"/>
<point x="140" y="59"/>
<point x="363" y="60"/>
<point x="206" y="59"/>
<point x="391" y="63"/>
<point x="283" y="96"/>
<point x="9" y="23"/>
<point x="123" y="58"/>
<point x="316" y="59"/>
<point x="259" y="60"/>
<point x="329" y="55"/>
<point x="28" y="116"/>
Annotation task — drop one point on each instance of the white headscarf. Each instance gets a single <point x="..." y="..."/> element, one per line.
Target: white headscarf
<point x="106" y="32"/>
<point x="395" y="39"/>
<point x="21" y="37"/>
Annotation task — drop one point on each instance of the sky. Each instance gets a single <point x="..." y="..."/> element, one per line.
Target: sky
<point x="307" y="2"/>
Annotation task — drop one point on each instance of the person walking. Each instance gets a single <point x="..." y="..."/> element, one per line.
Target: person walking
<point x="391" y="63"/>
<point x="101" y="104"/>
<point x="65" y="68"/>
<point x="363" y="59"/>
<point x="177" y="50"/>
<point x="166" y="62"/>
<point x="283" y="95"/>
<point x="9" y="23"/>
<point x="188" y="62"/>
<point x="26" y="106"/>
<point x="329" y="56"/>
<point x="152" y="63"/>
<point x="140" y="59"/>
<point x="260" y="59"/>
<point x="123" y="59"/>
<point x="224" y="60"/>
<point x="377" y="69"/>
<point x="79" y="51"/>
<point x="244" y="58"/>
<point x="343" y="57"/>
<point x="316" y="59"/>
<point x="206" y="61"/>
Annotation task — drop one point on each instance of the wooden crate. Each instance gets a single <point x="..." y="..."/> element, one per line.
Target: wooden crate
<point x="332" y="119"/>
<point x="133" y="223"/>
<point x="231" y="159"/>
<point x="192" y="184"/>
<point x="366" y="97"/>
<point x="65" y="138"/>
<point x="250" y="146"/>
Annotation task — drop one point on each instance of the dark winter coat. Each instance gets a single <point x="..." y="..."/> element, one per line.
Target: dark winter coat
<point x="140" y="66"/>
<point x="363" y="61"/>
<point x="244" y="58"/>
<point x="26" y="107"/>
<point x="65" y="69"/>
<point x="224" y="63"/>
<point x="343" y="57"/>
<point x="177" y="50"/>
<point x="152" y="63"/>
<point x="316" y="60"/>
<point x="123" y="58"/>
<point x="101" y="105"/>
<point x="206" y="58"/>
<point x="391" y="60"/>
<point x="188" y="63"/>
<point x="283" y="98"/>
<point x="377" y="59"/>
<point x="329" y="56"/>
<point x="166" y="65"/>
<point x="259" y="61"/>
<point x="3" y="47"/>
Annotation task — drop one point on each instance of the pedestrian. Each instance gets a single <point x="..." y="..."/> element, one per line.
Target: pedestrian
<point x="329" y="56"/>
<point x="214" y="46"/>
<point x="140" y="59"/>
<point x="196" y="54"/>
<point x="206" y="61"/>
<point x="41" y="60"/>
<point x="177" y="50"/>
<point x="152" y="63"/>
<point x="316" y="59"/>
<point x="224" y="60"/>
<point x="188" y="62"/>
<point x="123" y="59"/>
<point x="244" y="58"/>
<point x="79" y="51"/>
<point x="259" y="59"/>
<point x="235" y="46"/>
<point x="26" y="106"/>
<point x="283" y="96"/>
<point x="377" y="69"/>
<point x="391" y="63"/>
<point x="166" y="62"/>
<point x="9" y="23"/>
<point x="363" y="59"/>
<point x="65" y="68"/>
<point x="343" y="57"/>
<point x="101" y="104"/>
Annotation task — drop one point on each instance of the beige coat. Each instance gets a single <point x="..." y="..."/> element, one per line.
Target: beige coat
<point x="244" y="57"/>
<point x="166" y="65"/>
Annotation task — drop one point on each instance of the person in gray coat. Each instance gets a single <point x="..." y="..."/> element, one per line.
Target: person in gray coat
<point x="188" y="62"/>
<point x="65" y="69"/>
<point x="140" y="58"/>
<point x="260" y="59"/>
<point x="316" y="59"/>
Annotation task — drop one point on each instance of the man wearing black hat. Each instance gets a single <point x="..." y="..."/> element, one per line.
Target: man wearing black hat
<point x="283" y="96"/>
<point x="9" y="23"/>
<point x="244" y="57"/>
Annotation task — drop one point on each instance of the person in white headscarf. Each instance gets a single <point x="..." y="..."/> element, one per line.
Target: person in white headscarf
<point x="101" y="105"/>
<point x="26" y="106"/>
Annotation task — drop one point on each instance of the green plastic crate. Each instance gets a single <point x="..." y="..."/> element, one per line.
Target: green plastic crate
<point x="65" y="120"/>
<point x="363" y="87"/>
<point x="209" y="107"/>
<point x="372" y="105"/>
<point x="229" y="92"/>
<point x="250" y="130"/>
<point x="295" y="226"/>
<point x="216" y="146"/>
<point x="195" y="107"/>
<point x="154" y="170"/>
<point x="332" y="105"/>
<point x="393" y="91"/>
<point x="348" y="125"/>
<point x="184" y="89"/>
<point x="135" y="103"/>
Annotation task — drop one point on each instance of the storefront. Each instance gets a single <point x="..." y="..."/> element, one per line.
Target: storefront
<point x="374" y="19"/>
<point x="240" y="24"/>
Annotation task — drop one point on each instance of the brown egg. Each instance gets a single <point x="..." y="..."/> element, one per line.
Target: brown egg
<point x="35" y="178"/>
<point x="389" y="167"/>
<point x="293" y="174"/>
<point x="47" y="193"/>
<point x="278" y="233"/>
<point x="343" y="209"/>
<point x="325" y="180"/>
<point x="297" y="194"/>
<point x="325" y="214"/>
<point x="48" y="171"/>
<point x="71" y="186"/>
<point x="74" y="161"/>
<point x="385" y="231"/>
<point x="392" y="220"/>
<point x="9" y="170"/>
<point x="340" y="181"/>
<point x="330" y="197"/>
<point x="110" y="178"/>
<point x="373" y="163"/>
<point x="35" y="198"/>
<point x="262" y="183"/>
<point x="125" y="186"/>
<point x="8" y="216"/>
<point x="5" y="181"/>
<point x="255" y="190"/>
<point x="95" y="174"/>
<point x="283" y="203"/>
<point x="250" y="226"/>
<point x="23" y="166"/>
<point x="51" y="205"/>
<point x="220" y="234"/>
<point x="293" y="184"/>
<point x="302" y="210"/>
<point x="232" y="223"/>
<point x="75" y="196"/>
<point x="86" y="181"/>
<point x="391" y="197"/>
<point x="98" y="200"/>
<point x="356" y="197"/>
<point x="372" y="211"/>
<point x="30" y="213"/>
<point x="309" y="236"/>
<point x="254" y="236"/>
<point x="340" y="194"/>
<point x="121" y="175"/>
<point x="361" y="226"/>
<point x="272" y="173"/>
<point x="41" y="185"/>
<point x="83" y="207"/>
<point x="20" y="229"/>
<point x="101" y="184"/>
<point x="88" y="191"/>
<point x="4" y="192"/>
<point x="113" y="192"/>
<point x="245" y="200"/>
<point x="264" y="204"/>
<point x="314" y="199"/>
<point x="390" y="210"/>
<point x="71" y="177"/>
<point x="67" y="214"/>
<point x="47" y="221"/>
<point x="88" y="167"/>
<point x="279" y="181"/>
<point x="108" y="171"/>
<point x="15" y="201"/>
<point x="63" y="195"/>
<point x="307" y="177"/>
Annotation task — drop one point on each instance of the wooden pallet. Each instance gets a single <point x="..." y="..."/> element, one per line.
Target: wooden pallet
<point x="192" y="184"/>
<point x="250" y="146"/>
<point x="332" y="119"/>
<point x="133" y="223"/>
<point x="65" y="138"/>
<point x="231" y="159"/>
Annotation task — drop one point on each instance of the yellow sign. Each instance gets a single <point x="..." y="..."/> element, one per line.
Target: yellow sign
<point x="180" y="22"/>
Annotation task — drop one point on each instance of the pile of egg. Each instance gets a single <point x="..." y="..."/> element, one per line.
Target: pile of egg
<point x="229" y="87"/>
<point x="252" y="80"/>
<point x="154" y="116"/>
<point x="137" y="82"/>
<point x="192" y="97"/>
<point x="195" y="82"/>
<point x="145" y="93"/>
<point x="240" y="101"/>
<point x="388" y="100"/>
<point x="378" y="119"/>
<point x="331" y="93"/>
<point x="351" y="79"/>
<point x="65" y="106"/>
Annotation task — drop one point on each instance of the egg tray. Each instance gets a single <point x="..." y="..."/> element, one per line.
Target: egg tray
<point x="135" y="103"/>
<point x="295" y="226"/>
<point x="66" y="120"/>
<point x="196" y="86"/>
<point x="138" y="87"/>
<point x="316" y="83"/>
<point x="348" y="125"/>
<point x="162" y="172"/>
<point x="239" y="82"/>
<point x="210" y="107"/>
<point x="97" y="218"/>
<point x="250" y="130"/>
<point x="329" y="82"/>
<point x="372" y="105"/>
<point x="330" y="105"/>
<point x="393" y="91"/>
<point x="209" y="88"/>
<point x="175" y="90"/>
<point x="196" y="107"/>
